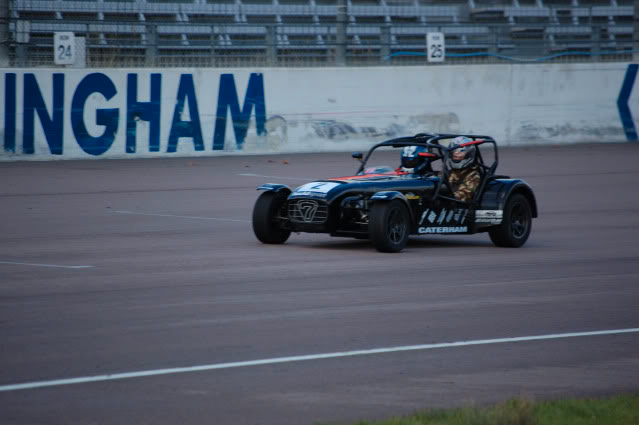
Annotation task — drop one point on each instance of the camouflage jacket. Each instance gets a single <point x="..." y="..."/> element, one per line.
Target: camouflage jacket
<point x="464" y="182"/>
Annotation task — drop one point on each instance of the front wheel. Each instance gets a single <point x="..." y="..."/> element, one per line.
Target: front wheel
<point x="265" y="224"/>
<point x="515" y="228"/>
<point x="389" y="226"/>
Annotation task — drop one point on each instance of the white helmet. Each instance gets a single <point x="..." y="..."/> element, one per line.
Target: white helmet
<point x="470" y="152"/>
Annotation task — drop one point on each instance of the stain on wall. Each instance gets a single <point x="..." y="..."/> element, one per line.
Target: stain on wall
<point x="436" y="123"/>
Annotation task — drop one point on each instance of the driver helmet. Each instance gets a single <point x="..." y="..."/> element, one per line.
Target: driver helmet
<point x="470" y="153"/>
<point x="411" y="158"/>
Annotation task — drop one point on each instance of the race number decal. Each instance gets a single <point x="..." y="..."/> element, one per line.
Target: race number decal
<point x="64" y="48"/>
<point x="315" y="188"/>
<point x="321" y="187"/>
<point x="436" y="46"/>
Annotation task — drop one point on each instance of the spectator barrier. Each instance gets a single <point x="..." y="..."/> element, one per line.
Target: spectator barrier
<point x="133" y="113"/>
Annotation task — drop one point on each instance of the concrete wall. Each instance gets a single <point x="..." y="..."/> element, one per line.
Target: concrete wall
<point x="63" y="114"/>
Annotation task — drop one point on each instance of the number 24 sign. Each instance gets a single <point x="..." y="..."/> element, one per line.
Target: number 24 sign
<point x="436" y="46"/>
<point x="64" y="48"/>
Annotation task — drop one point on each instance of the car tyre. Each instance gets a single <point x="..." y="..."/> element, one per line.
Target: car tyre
<point x="515" y="228"/>
<point x="389" y="226"/>
<point x="265" y="225"/>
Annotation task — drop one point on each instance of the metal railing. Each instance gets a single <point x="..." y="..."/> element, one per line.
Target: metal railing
<point x="372" y="36"/>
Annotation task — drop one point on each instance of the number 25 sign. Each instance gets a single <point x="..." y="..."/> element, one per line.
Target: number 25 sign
<point x="64" y="48"/>
<point x="436" y="46"/>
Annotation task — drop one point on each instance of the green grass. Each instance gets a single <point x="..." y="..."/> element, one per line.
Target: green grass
<point x="619" y="410"/>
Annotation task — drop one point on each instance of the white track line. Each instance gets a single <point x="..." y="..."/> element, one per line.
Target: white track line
<point x="182" y="216"/>
<point x="45" y="265"/>
<point x="175" y="370"/>
<point x="274" y="177"/>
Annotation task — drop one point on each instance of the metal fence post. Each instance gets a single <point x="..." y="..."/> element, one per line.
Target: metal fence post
<point x="595" y="55"/>
<point x="21" y="54"/>
<point x="216" y="58"/>
<point x="271" y="46"/>
<point x="4" y="33"/>
<point x="386" y="43"/>
<point x="23" y="33"/>
<point x="152" y="44"/>
<point x="635" y="32"/>
<point x="341" y="33"/>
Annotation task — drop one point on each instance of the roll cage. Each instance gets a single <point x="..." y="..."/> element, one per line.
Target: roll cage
<point x="437" y="151"/>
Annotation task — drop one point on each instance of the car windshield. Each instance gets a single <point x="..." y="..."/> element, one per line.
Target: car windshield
<point x="382" y="161"/>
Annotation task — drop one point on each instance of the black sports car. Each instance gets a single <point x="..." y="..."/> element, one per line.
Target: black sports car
<point x="387" y="205"/>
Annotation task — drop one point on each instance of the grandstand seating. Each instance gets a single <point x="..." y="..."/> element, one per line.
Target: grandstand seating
<point x="381" y="27"/>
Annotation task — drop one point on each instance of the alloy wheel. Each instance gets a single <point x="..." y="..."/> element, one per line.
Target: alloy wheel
<point x="396" y="226"/>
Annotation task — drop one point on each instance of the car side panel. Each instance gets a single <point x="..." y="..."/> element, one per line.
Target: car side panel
<point x="498" y="191"/>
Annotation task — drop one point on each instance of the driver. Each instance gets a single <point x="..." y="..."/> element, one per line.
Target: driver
<point x="412" y="162"/>
<point x="464" y="176"/>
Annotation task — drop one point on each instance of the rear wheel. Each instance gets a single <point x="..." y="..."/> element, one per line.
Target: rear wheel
<point x="515" y="228"/>
<point x="266" y="225"/>
<point x="389" y="226"/>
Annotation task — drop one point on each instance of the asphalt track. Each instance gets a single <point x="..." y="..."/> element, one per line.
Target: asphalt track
<point x="161" y="270"/>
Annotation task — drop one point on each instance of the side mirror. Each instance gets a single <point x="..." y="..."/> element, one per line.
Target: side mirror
<point x="357" y="155"/>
